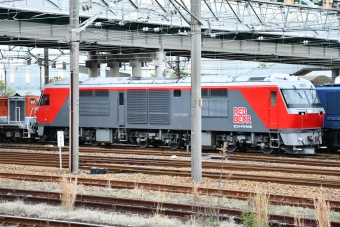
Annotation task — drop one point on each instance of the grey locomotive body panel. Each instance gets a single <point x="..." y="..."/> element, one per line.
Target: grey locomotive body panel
<point x="145" y="109"/>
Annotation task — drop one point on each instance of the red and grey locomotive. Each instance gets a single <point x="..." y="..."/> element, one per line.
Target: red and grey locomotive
<point x="268" y="112"/>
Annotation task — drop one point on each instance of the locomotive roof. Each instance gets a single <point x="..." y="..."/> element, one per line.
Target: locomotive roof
<point x="275" y="78"/>
<point x="328" y="87"/>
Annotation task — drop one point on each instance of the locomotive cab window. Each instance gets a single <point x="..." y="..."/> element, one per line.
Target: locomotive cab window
<point x="273" y="98"/>
<point x="177" y="93"/>
<point x="300" y="98"/>
<point x="44" y="100"/>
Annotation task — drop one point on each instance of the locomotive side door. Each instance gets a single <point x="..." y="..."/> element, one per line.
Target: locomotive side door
<point x="121" y="109"/>
<point x="16" y="109"/>
<point x="273" y="109"/>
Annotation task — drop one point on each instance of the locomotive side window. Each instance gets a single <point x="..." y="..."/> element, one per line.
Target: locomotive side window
<point x="46" y="100"/>
<point x="215" y="102"/>
<point x="214" y="93"/>
<point x="104" y="93"/>
<point x="177" y="93"/>
<point x="121" y="98"/>
<point x="273" y="98"/>
<point x="85" y="93"/>
<point x="218" y="93"/>
<point x="204" y="93"/>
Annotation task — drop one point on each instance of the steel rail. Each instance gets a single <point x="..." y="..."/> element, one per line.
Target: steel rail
<point x="241" y="195"/>
<point x="214" y="175"/>
<point x="136" y="150"/>
<point x="163" y="151"/>
<point x="237" y="158"/>
<point x="53" y="160"/>
<point x="7" y="220"/>
<point x="313" y="182"/>
<point x="123" y="205"/>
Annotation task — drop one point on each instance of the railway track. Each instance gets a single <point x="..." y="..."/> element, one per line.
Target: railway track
<point x="123" y="205"/>
<point x="105" y="150"/>
<point x="164" y="151"/>
<point x="51" y="160"/>
<point x="240" y="195"/>
<point x="266" y="159"/>
<point x="7" y="220"/>
<point x="87" y="160"/>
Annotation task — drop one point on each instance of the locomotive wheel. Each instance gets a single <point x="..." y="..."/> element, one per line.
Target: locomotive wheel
<point x="143" y="144"/>
<point x="267" y="150"/>
<point x="175" y="145"/>
<point x="231" y="148"/>
<point x="94" y="143"/>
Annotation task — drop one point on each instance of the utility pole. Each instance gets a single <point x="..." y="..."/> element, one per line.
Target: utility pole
<point x="74" y="87"/>
<point x="196" y="101"/>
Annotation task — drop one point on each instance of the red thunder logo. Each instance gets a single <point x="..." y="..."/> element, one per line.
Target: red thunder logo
<point x="240" y="115"/>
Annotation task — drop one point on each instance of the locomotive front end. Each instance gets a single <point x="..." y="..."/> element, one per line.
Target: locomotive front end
<point x="301" y="129"/>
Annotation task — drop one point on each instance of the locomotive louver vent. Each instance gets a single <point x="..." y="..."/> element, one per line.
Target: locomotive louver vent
<point x="159" y="107"/>
<point x="137" y="104"/>
<point x="89" y="106"/>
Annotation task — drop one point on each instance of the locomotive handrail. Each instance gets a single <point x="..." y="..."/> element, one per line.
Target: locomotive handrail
<point x="33" y="109"/>
<point x="16" y="115"/>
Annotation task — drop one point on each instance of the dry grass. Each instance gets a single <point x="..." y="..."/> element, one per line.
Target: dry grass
<point x="261" y="204"/>
<point x="195" y="193"/>
<point x="68" y="193"/>
<point x="322" y="210"/>
<point x="223" y="150"/>
<point x="158" y="211"/>
<point x="297" y="221"/>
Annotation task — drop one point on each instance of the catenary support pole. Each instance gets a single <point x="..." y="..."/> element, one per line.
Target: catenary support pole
<point x="196" y="112"/>
<point x="178" y="70"/>
<point x="161" y="63"/>
<point x="46" y="67"/>
<point x="74" y="87"/>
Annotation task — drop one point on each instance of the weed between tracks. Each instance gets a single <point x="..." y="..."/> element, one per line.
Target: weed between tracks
<point x="68" y="192"/>
<point x="256" y="214"/>
<point x="209" y="215"/>
<point x="297" y="221"/>
<point x="322" y="210"/>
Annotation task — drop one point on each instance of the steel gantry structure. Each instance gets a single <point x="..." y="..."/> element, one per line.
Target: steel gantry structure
<point x="237" y="30"/>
